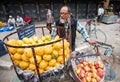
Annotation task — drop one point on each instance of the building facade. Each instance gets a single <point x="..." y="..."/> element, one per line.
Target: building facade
<point x="81" y="9"/>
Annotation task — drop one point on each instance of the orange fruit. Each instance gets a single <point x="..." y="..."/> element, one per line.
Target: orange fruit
<point x="57" y="37"/>
<point x="12" y="50"/>
<point x="67" y="53"/>
<point x="26" y="40"/>
<point x="60" y="59"/>
<point x="52" y="62"/>
<point x="28" y="52"/>
<point x="20" y="42"/>
<point x="47" y="57"/>
<point x="41" y="71"/>
<point x="23" y="65"/>
<point x="48" y="37"/>
<point x="48" y="49"/>
<point x="31" y="67"/>
<point x="24" y="57"/>
<point x="57" y="45"/>
<point x="39" y="51"/>
<point x="66" y="43"/>
<point x="17" y="56"/>
<point x="43" y="38"/>
<point x="57" y="64"/>
<point x="48" y="68"/>
<point x="13" y="42"/>
<point x="60" y="52"/>
<point x="20" y="50"/>
<point x="16" y="62"/>
<point x="54" y="54"/>
<point x="38" y="58"/>
<point x="36" y="38"/>
<point x="43" y="64"/>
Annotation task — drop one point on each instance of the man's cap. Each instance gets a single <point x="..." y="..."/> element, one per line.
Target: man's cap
<point x="10" y="16"/>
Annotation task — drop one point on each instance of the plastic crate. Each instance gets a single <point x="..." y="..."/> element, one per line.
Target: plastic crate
<point x="6" y="28"/>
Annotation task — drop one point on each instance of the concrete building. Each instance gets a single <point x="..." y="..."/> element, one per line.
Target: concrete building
<point x="82" y="9"/>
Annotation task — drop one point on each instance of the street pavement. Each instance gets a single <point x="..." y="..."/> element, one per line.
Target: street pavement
<point x="113" y="37"/>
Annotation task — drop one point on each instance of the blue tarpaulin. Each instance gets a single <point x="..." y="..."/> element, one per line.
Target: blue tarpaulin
<point x="6" y="28"/>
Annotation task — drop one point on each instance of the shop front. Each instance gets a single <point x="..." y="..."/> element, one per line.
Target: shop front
<point x="80" y="9"/>
<point x="112" y="12"/>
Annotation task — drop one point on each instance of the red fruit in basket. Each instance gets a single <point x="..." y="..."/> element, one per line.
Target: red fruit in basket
<point x="84" y="80"/>
<point x="101" y="73"/>
<point x="99" y="70"/>
<point x="96" y="64"/>
<point x="93" y="80"/>
<point x="101" y="65"/>
<point x="83" y="60"/>
<point x="98" y="79"/>
<point x="86" y="73"/>
<point x="93" y="70"/>
<point x="81" y="75"/>
<point x="88" y="79"/>
<point x="82" y="71"/>
<point x="81" y="65"/>
<point x="89" y="74"/>
<point x="77" y="71"/>
<point x="86" y="68"/>
<point x="94" y="75"/>
<point x="85" y="63"/>
<point x="90" y="65"/>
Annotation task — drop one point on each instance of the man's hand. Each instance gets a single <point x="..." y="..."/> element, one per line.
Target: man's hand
<point x="92" y="41"/>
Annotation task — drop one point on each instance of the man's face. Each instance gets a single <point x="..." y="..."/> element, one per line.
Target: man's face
<point x="64" y="14"/>
<point x="18" y="16"/>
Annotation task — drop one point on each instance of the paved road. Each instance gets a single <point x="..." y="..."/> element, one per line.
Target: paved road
<point x="113" y="37"/>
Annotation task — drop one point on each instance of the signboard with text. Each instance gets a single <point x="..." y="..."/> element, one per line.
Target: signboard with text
<point x="26" y="31"/>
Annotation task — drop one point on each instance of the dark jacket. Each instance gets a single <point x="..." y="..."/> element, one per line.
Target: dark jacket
<point x="61" y="31"/>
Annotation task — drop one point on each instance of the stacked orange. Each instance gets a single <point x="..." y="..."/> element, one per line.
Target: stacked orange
<point x="48" y="56"/>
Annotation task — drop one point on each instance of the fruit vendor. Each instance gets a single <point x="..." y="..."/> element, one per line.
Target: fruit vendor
<point x="67" y="26"/>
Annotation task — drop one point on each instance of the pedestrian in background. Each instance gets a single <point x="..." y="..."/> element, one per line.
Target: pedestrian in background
<point x="100" y="14"/>
<point x="19" y="21"/>
<point x="11" y="21"/>
<point x="49" y="18"/>
<point x="67" y="26"/>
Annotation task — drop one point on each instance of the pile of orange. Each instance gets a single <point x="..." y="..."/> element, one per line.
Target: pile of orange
<point x="48" y="56"/>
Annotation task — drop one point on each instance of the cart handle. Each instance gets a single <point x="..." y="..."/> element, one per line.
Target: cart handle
<point x="103" y="44"/>
<point x="109" y="48"/>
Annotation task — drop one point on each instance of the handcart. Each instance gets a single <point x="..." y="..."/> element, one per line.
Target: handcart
<point x="85" y="59"/>
<point x="29" y="61"/>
